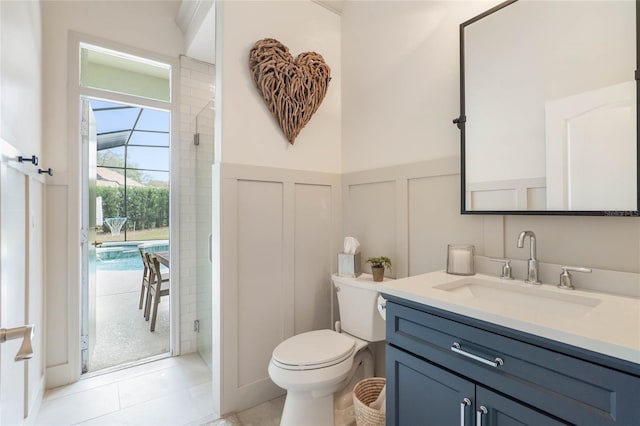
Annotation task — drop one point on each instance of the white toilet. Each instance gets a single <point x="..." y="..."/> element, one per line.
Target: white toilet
<point x="313" y="366"/>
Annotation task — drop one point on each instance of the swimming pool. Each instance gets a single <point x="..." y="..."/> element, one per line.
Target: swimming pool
<point x="125" y="256"/>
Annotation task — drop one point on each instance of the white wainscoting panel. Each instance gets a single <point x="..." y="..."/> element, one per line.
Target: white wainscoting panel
<point x="514" y="194"/>
<point x="314" y="251"/>
<point x="276" y="235"/>
<point x="36" y="292"/>
<point x="260" y="276"/>
<point x="499" y="199"/>
<point x="536" y="198"/>
<point x="435" y="221"/>
<point x="611" y="243"/>
<point x="409" y="213"/>
<point x="372" y="218"/>
<point x="57" y="277"/>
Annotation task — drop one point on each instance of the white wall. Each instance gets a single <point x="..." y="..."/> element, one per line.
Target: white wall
<point x="21" y="74"/>
<point x="249" y="133"/>
<point x="400" y="93"/>
<point x="276" y="207"/>
<point x="147" y="25"/>
<point x="400" y="81"/>
<point x="20" y="125"/>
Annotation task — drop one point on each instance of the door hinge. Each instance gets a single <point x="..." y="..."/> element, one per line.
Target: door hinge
<point x="84" y="342"/>
<point x="196" y="326"/>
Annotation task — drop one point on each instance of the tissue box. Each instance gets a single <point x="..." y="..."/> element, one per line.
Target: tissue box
<point x="349" y="265"/>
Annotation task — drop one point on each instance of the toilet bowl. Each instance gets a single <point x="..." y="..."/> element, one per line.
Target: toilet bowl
<point x="312" y="366"/>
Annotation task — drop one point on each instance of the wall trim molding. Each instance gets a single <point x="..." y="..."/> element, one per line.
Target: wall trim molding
<point x="420" y="169"/>
<point x="230" y="394"/>
<point x="402" y="177"/>
<point x="276" y="174"/>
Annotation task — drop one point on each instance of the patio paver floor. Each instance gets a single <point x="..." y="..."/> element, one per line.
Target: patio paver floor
<point x="122" y="334"/>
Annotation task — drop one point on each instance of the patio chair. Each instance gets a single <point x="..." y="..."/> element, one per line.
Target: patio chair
<point x="145" y="295"/>
<point x="158" y="288"/>
<point x="144" y="288"/>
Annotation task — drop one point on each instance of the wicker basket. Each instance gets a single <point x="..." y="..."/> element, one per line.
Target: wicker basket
<point x="364" y="393"/>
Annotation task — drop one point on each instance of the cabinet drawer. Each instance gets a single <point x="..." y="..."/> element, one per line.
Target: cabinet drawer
<point x="421" y="393"/>
<point x="570" y="388"/>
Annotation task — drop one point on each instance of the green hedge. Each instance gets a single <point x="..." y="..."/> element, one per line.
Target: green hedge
<point x="147" y="207"/>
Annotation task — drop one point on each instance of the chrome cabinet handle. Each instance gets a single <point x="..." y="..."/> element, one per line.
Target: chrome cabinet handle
<point x="463" y="405"/>
<point x="457" y="349"/>
<point x="481" y="412"/>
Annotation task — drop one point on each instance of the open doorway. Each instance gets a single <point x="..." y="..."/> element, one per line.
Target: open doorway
<point x="131" y="219"/>
<point x="126" y="143"/>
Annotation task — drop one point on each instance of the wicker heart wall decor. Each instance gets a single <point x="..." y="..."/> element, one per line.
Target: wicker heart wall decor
<point x="292" y="88"/>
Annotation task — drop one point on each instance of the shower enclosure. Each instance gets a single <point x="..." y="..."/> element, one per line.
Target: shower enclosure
<point x="204" y="162"/>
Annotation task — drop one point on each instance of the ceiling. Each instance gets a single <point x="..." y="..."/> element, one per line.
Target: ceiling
<point x="336" y="6"/>
<point x="197" y="20"/>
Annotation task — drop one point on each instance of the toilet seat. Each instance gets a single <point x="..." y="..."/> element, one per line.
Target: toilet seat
<point x="313" y="350"/>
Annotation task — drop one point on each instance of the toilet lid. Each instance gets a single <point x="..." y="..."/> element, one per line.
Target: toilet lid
<point x="314" y="349"/>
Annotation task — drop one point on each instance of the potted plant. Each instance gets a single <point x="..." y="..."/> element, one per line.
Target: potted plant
<point x="377" y="266"/>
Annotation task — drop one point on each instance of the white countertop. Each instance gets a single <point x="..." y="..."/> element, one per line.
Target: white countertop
<point x="599" y="322"/>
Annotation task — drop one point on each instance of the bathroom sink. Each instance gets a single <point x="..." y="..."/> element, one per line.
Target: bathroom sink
<point x="517" y="295"/>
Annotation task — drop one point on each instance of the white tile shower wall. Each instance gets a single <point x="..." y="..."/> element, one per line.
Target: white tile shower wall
<point x="197" y="88"/>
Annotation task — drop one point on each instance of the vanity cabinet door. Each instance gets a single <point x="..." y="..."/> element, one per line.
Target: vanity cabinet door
<point x="419" y="393"/>
<point x="581" y="391"/>
<point x="501" y="411"/>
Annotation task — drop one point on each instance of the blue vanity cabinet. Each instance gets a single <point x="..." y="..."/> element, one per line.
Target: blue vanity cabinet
<point x="421" y="393"/>
<point x="448" y="369"/>
<point x="424" y="393"/>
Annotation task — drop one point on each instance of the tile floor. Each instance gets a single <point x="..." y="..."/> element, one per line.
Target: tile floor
<point x="267" y="414"/>
<point x="173" y="391"/>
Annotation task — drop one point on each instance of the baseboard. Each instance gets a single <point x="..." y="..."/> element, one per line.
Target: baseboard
<point x="59" y="375"/>
<point x="37" y="403"/>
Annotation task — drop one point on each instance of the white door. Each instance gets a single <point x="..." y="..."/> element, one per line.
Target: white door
<point x="591" y="150"/>
<point x="89" y="150"/>
<point x="13" y="234"/>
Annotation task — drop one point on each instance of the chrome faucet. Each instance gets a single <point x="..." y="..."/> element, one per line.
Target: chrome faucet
<point x="532" y="267"/>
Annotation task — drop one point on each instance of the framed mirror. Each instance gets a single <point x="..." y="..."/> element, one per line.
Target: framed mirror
<point x="549" y="109"/>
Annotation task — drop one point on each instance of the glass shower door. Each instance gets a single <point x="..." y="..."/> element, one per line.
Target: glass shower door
<point x="204" y="162"/>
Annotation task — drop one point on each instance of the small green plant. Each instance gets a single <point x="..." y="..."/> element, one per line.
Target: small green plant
<point x="379" y="262"/>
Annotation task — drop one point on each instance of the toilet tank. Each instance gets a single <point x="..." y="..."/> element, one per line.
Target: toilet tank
<point x="357" y="301"/>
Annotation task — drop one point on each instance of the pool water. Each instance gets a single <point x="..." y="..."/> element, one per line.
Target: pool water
<point x="125" y="257"/>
